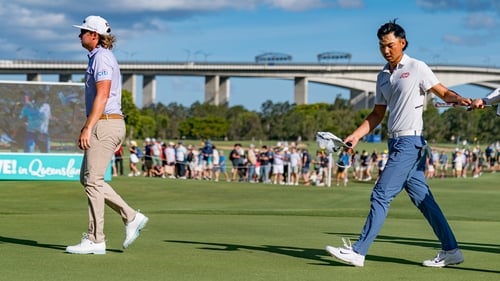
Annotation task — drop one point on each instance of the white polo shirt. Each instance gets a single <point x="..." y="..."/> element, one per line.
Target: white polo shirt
<point x="493" y="97"/>
<point x="404" y="92"/>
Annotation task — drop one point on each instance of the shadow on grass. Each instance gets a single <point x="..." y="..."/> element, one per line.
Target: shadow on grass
<point x="304" y="253"/>
<point x="33" y="243"/>
<point x="428" y="243"/>
<point x="319" y="256"/>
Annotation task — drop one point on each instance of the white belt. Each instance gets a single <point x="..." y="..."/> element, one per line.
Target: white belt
<point x="405" y="133"/>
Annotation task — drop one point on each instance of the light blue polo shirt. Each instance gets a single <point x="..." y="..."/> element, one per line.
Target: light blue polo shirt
<point x="404" y="92"/>
<point x="103" y="66"/>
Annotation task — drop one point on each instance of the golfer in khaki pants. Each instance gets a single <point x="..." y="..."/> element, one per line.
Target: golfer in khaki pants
<point x="106" y="137"/>
<point x="101" y="135"/>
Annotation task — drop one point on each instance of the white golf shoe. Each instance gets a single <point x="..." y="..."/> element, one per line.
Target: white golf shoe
<point x="133" y="228"/>
<point x="445" y="258"/>
<point x="87" y="246"/>
<point x="346" y="254"/>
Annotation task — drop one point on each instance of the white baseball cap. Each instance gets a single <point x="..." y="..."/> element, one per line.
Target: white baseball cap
<point x="95" y="23"/>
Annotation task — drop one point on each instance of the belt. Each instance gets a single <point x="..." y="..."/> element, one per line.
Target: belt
<point x="111" y="116"/>
<point x="405" y="133"/>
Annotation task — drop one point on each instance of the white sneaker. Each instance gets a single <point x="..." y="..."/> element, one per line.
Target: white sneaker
<point x="346" y="254"/>
<point x="133" y="229"/>
<point x="87" y="246"/>
<point x="445" y="258"/>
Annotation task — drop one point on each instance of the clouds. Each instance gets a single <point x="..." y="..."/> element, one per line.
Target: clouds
<point x="36" y="28"/>
<point x="479" y="29"/>
<point x="481" y="14"/>
<point x="465" y="5"/>
<point x="470" y="40"/>
<point x="40" y="29"/>
<point x="479" y="21"/>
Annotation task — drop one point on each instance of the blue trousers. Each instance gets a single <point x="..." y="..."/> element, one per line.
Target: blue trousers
<point x="264" y="172"/>
<point x="251" y="172"/>
<point x="404" y="170"/>
<point x="31" y="139"/>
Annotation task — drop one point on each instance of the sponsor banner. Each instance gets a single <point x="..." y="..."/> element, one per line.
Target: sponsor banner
<point x="42" y="166"/>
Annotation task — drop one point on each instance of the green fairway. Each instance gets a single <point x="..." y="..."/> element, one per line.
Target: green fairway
<point x="201" y="230"/>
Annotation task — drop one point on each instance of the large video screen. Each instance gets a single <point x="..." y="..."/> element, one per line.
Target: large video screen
<point x="41" y="116"/>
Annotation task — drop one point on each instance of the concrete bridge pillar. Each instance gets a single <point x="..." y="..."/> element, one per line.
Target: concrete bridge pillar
<point x="362" y="99"/>
<point x="300" y="90"/>
<point x="212" y="89"/>
<point x="66" y="77"/>
<point x="34" y="77"/>
<point x="129" y="83"/>
<point x="224" y="90"/>
<point x="148" y="90"/>
<point x="217" y="89"/>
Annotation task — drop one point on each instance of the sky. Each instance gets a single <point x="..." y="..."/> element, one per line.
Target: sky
<point x="461" y="32"/>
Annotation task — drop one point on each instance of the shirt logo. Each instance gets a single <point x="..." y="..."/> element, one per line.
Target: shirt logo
<point x="102" y="73"/>
<point x="405" y="75"/>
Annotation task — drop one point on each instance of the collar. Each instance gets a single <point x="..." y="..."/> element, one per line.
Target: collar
<point x="404" y="60"/>
<point x="94" y="51"/>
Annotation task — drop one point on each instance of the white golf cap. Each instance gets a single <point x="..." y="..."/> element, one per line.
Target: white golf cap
<point x="95" y="23"/>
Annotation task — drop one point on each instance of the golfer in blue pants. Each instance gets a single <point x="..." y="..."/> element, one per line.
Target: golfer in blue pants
<point x="402" y="87"/>
<point x="404" y="169"/>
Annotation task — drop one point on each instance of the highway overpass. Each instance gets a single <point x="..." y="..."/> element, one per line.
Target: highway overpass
<point x="358" y="78"/>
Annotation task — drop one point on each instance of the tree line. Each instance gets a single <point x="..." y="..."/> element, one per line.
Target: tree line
<point x="285" y="121"/>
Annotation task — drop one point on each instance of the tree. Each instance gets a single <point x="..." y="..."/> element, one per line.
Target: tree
<point x="147" y="127"/>
<point x="246" y="125"/>
<point x="341" y="103"/>
<point x="488" y="127"/>
<point x="176" y="114"/>
<point x="285" y="121"/>
<point x="272" y="117"/>
<point x="459" y="124"/>
<point x="131" y="112"/>
<point x="205" y="110"/>
<point x="243" y="122"/>
<point x="434" y="126"/>
<point x="204" y="127"/>
<point x="305" y="120"/>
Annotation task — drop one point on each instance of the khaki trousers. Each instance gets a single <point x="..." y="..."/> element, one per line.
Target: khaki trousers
<point x="106" y="138"/>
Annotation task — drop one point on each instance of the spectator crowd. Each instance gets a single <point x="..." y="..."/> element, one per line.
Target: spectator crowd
<point x="288" y="164"/>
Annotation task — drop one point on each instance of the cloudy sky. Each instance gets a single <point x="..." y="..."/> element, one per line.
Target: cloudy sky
<point x="462" y="32"/>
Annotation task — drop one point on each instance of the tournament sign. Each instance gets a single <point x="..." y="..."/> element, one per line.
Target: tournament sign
<point x="39" y="125"/>
<point x="42" y="166"/>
